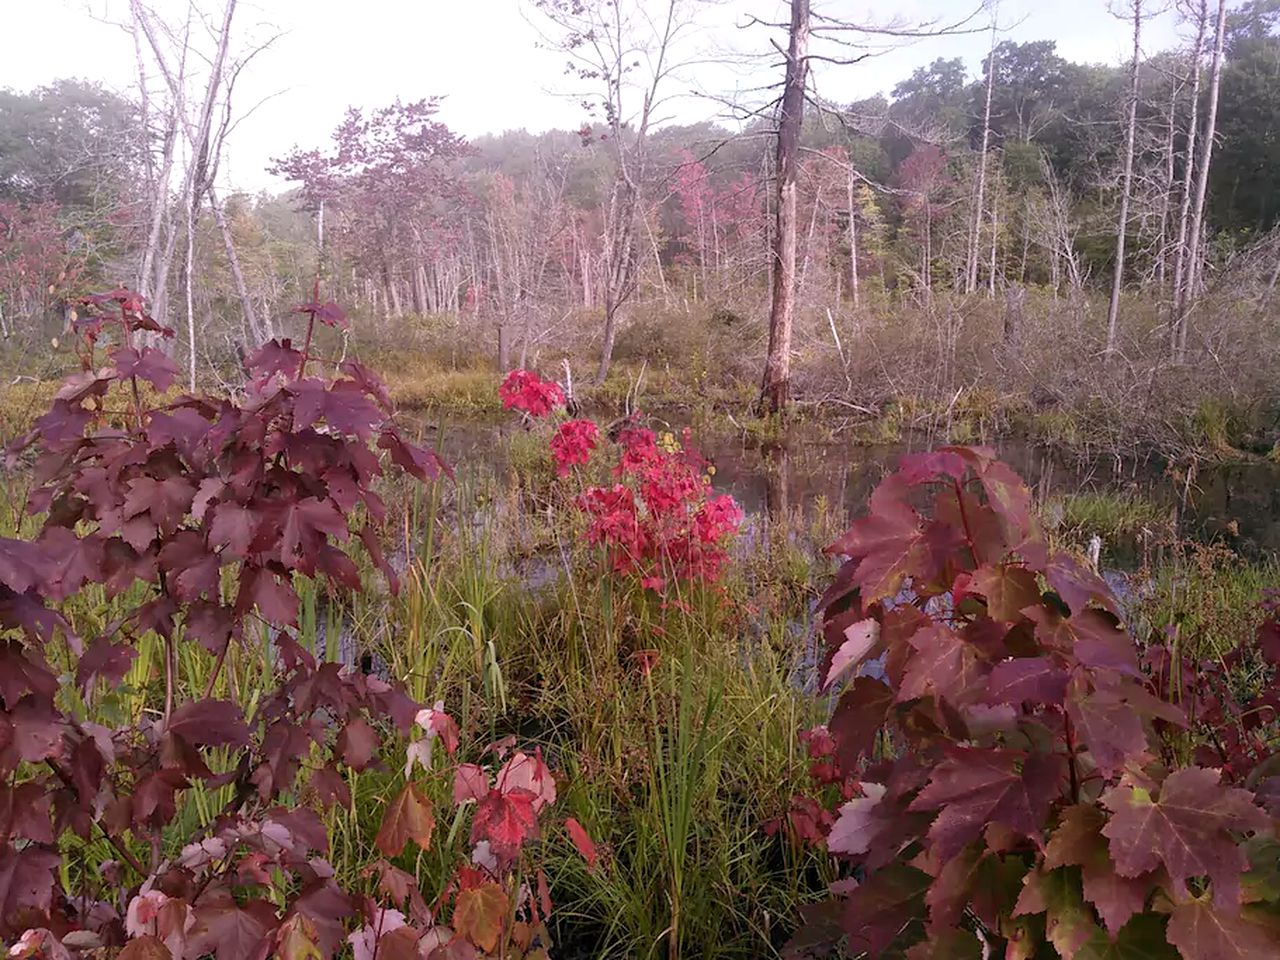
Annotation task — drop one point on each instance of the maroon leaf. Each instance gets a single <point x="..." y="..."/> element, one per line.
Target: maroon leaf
<point x="1078" y="841"/>
<point x="407" y="817"/>
<point x="369" y="382"/>
<point x="506" y="819"/>
<point x="211" y="723"/>
<point x="106" y="660"/>
<point x="1109" y="727"/>
<point x="417" y="461"/>
<point x="1201" y="930"/>
<point x="1188" y="829"/>
<point x="233" y="527"/>
<point x="193" y="567"/>
<point x="274" y="356"/>
<point x="944" y="666"/>
<point x="64" y="421"/>
<point x="275" y="598"/>
<point x="306" y="525"/>
<point x="37" y="729"/>
<point x="25" y="809"/>
<point x="878" y="909"/>
<point x="358" y="742"/>
<point x="1027" y="680"/>
<point x="233" y="931"/>
<point x="859" y="715"/>
<point x="151" y="365"/>
<point x="974" y="788"/>
<point x="328" y="312"/>
<point x="24" y="671"/>
<point x="886" y="544"/>
<point x="1077" y="585"/>
<point x="1008" y="590"/>
<point x="27" y="879"/>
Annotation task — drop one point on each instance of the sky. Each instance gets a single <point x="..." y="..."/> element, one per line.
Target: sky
<point x="490" y="62"/>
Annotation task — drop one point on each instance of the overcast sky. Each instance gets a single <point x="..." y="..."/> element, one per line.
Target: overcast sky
<point x="486" y="58"/>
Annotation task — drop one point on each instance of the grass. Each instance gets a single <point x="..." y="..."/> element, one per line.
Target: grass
<point x="673" y="725"/>
<point x="1109" y="514"/>
<point x="1203" y="600"/>
<point x="672" y="769"/>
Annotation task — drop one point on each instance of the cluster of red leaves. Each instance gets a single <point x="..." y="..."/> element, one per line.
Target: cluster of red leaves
<point x="204" y="509"/>
<point x="1005" y="789"/>
<point x="34" y="257"/>
<point x="572" y="444"/>
<point x="658" y="520"/>
<point x="525" y="391"/>
<point x="1232" y="703"/>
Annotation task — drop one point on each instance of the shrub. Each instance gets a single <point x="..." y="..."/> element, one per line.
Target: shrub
<point x="658" y="520"/>
<point x="1005" y="776"/>
<point x="197" y="515"/>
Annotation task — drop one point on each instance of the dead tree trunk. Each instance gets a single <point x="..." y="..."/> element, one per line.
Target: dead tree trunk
<point x="259" y="332"/>
<point x="853" y="245"/>
<point x="1188" y="173"/>
<point x="975" y="231"/>
<point x="1126" y="188"/>
<point x="1195" y="256"/>
<point x="775" y="391"/>
<point x="620" y="266"/>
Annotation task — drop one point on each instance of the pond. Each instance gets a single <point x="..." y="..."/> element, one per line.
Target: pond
<point x="1234" y="503"/>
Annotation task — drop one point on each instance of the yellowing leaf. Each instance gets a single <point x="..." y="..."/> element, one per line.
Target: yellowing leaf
<point x="479" y="913"/>
<point x="407" y="818"/>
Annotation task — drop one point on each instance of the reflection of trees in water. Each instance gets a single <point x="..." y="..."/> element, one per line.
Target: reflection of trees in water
<point x="777" y="481"/>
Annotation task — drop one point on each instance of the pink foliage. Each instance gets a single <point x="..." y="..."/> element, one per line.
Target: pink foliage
<point x="525" y="391"/>
<point x="572" y="444"/>
<point x="661" y="518"/>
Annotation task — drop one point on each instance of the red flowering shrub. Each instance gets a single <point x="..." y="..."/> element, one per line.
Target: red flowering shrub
<point x="658" y="520"/>
<point x="572" y="444"/>
<point x="525" y="391"/>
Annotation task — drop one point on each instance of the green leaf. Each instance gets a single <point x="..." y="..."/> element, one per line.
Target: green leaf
<point x="1069" y="923"/>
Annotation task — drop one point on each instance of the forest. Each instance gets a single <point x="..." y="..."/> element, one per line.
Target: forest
<point x="826" y="530"/>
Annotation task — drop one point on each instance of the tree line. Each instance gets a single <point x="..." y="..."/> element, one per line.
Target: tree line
<point x="1157" y="175"/>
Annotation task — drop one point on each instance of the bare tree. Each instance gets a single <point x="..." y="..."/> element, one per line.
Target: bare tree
<point x="1201" y="14"/>
<point x="975" y="231"/>
<point x="628" y="57"/>
<point x="1126" y="187"/>
<point x="169" y="50"/>
<point x="776" y="388"/>
<point x="1194" y="257"/>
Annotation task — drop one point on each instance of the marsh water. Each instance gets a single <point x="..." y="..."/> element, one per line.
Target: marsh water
<point x="1235" y="503"/>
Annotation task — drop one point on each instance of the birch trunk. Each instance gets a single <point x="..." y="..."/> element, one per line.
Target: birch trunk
<point x="1122" y="230"/>
<point x="853" y="245"/>
<point x="1195" y="263"/>
<point x="975" y="233"/>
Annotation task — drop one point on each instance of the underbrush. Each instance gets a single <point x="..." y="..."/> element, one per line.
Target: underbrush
<point x="227" y="712"/>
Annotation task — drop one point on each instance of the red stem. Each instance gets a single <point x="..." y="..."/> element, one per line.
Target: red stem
<point x="311" y="326"/>
<point x="1071" y="758"/>
<point x="964" y="520"/>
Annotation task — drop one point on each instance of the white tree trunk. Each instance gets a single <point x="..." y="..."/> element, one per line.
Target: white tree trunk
<point x="1195" y="263"/>
<point x="1126" y="188"/>
<point x="975" y="233"/>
